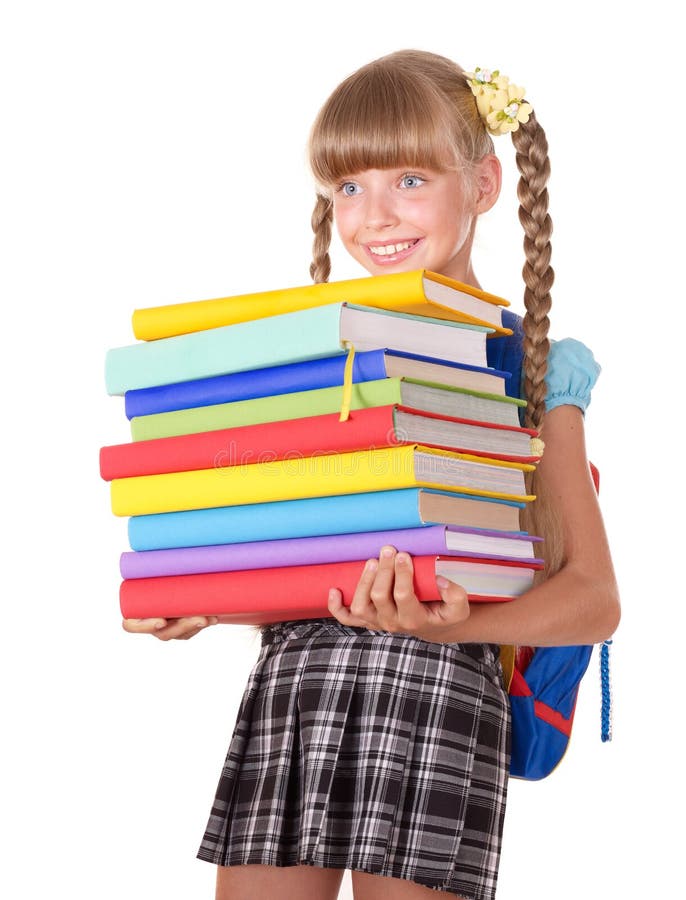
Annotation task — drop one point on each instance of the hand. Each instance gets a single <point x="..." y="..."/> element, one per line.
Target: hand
<point x="384" y="600"/>
<point x="169" y="629"/>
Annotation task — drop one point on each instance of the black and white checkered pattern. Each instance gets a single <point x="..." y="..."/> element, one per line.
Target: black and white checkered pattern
<point x="366" y="750"/>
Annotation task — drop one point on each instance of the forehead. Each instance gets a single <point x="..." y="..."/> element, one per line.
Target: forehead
<point x="391" y="174"/>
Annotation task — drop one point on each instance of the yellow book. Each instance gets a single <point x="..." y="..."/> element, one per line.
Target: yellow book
<point x="420" y="292"/>
<point x="386" y="468"/>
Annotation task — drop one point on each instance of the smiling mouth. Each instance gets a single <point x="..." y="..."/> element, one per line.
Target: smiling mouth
<point x="391" y="249"/>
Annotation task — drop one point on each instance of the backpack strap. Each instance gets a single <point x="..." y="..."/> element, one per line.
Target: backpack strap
<point x="606" y="693"/>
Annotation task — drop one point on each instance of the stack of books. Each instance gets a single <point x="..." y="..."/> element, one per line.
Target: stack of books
<point x="281" y="439"/>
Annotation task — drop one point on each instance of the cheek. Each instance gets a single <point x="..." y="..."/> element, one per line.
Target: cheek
<point x="342" y="221"/>
<point x="346" y="223"/>
<point x="438" y="214"/>
<point x="456" y="220"/>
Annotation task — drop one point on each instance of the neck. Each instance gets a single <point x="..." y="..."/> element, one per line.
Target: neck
<point x="460" y="267"/>
<point x="462" y="271"/>
<point x="470" y="277"/>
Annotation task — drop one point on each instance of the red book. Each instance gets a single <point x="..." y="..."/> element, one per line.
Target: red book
<point x="257" y="596"/>
<point x="379" y="426"/>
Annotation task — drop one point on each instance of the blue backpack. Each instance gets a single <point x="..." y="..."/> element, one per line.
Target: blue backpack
<point x="542" y="682"/>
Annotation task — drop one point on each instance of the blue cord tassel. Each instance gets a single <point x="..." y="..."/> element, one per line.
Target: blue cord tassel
<point x="606" y="693"/>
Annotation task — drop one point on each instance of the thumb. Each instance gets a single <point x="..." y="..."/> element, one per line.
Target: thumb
<point x="455" y="598"/>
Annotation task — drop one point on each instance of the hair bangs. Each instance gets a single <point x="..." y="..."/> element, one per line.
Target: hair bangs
<point x="358" y="127"/>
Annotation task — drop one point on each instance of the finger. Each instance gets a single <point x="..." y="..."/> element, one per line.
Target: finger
<point x="341" y="612"/>
<point x="403" y="588"/>
<point x="361" y="603"/>
<point x="455" y="606"/>
<point x="381" y="592"/>
<point x="182" y="629"/>
<point x="199" y="625"/>
<point x="409" y="607"/>
<point x="143" y="626"/>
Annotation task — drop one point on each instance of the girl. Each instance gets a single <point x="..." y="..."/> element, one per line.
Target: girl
<point x="377" y="740"/>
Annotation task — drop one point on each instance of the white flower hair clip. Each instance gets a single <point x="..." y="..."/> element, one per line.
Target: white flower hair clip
<point x="500" y="104"/>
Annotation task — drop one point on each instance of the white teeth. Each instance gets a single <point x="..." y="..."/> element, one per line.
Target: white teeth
<point x="390" y="249"/>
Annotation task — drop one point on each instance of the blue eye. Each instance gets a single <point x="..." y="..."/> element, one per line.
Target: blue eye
<point x="350" y="188"/>
<point x="411" y="181"/>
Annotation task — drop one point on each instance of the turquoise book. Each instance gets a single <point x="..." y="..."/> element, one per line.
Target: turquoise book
<point x="376" y="511"/>
<point x="292" y="337"/>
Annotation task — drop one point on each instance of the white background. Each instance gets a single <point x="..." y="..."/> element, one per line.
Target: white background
<point x="154" y="152"/>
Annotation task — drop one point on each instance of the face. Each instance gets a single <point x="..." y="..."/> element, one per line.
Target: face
<point x="396" y="220"/>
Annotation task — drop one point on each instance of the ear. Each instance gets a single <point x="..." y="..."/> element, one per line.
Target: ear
<point x="488" y="178"/>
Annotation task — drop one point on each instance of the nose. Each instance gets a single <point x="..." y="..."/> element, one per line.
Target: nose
<point x="380" y="209"/>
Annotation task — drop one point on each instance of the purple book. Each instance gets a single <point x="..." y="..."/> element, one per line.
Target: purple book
<point x="435" y="539"/>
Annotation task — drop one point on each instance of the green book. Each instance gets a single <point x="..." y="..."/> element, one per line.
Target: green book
<point x="421" y="395"/>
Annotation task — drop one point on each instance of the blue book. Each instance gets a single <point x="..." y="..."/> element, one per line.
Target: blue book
<point x="346" y="514"/>
<point x="293" y="337"/>
<point x="370" y="365"/>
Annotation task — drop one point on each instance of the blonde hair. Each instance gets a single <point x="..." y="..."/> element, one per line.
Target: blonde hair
<point x="413" y="108"/>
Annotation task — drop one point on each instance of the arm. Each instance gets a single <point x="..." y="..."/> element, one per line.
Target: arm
<point x="169" y="629"/>
<point x="580" y="603"/>
<point x="577" y="605"/>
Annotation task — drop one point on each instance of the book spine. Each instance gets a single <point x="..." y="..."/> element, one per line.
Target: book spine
<point x="287" y="379"/>
<point x="294" y="439"/>
<point x="345" y="513"/>
<point x="280" y="407"/>
<point x="291" y="552"/>
<point x="295" y="337"/>
<point x="157" y="322"/>
<point x="312" y="476"/>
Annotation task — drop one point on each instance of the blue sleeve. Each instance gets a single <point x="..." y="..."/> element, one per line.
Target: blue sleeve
<point x="572" y="373"/>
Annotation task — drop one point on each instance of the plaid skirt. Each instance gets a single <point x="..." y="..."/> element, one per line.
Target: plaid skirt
<point x="371" y="751"/>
